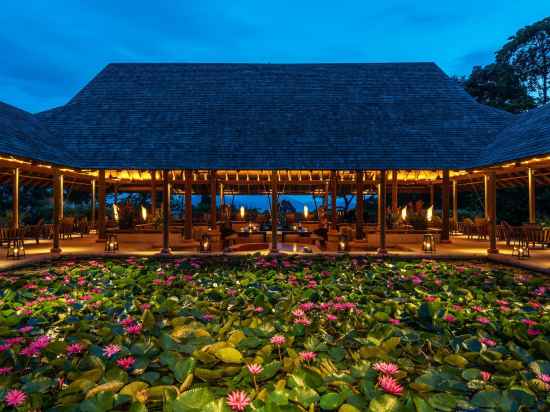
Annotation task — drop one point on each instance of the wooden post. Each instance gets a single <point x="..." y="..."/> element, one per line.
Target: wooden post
<point x="101" y="211"/>
<point x="153" y="193"/>
<point x="274" y="210"/>
<point x="394" y="191"/>
<point x="432" y="195"/>
<point x="188" y="228"/>
<point x="15" y="198"/>
<point x="115" y="194"/>
<point x="532" y="196"/>
<point x="93" y="203"/>
<point x="359" y="210"/>
<point x="486" y="196"/>
<point x="492" y="210"/>
<point x="334" y="190"/>
<point x="56" y="211"/>
<point x="445" y="189"/>
<point x="62" y="198"/>
<point x="379" y="213"/>
<point x="213" y="194"/>
<point x="325" y="198"/>
<point x="382" y="213"/>
<point x="455" y="203"/>
<point x="165" y="215"/>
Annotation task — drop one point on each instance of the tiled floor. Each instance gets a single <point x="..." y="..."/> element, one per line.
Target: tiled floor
<point x="460" y="247"/>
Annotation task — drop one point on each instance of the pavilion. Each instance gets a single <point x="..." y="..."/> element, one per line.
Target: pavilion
<point x="275" y="128"/>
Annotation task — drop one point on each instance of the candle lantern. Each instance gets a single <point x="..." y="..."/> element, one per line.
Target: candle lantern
<point x="16" y="249"/>
<point x="343" y="244"/>
<point x="521" y="249"/>
<point x="306" y="212"/>
<point x="428" y="243"/>
<point x="205" y="243"/>
<point x="111" y="244"/>
<point x="242" y="212"/>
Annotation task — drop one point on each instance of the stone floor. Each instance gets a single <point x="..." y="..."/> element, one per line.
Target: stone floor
<point x="459" y="248"/>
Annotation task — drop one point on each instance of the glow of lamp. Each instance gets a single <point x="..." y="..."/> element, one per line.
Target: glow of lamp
<point x="404" y="213"/>
<point x="430" y="213"/>
<point x="115" y="212"/>
<point x="306" y="211"/>
<point x="242" y="212"/>
<point x="143" y="213"/>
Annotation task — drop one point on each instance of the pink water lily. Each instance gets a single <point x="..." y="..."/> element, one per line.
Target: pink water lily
<point x="126" y="363"/>
<point x="533" y="332"/>
<point x="308" y="356"/>
<point x="390" y="385"/>
<point x="111" y="350"/>
<point x="278" y="340"/>
<point x="449" y="318"/>
<point x="15" y="398"/>
<point x="386" y="368"/>
<point x="238" y="400"/>
<point x="254" y="368"/>
<point x="6" y="370"/>
<point x="74" y="348"/>
<point x="486" y="376"/>
<point x="483" y="320"/>
<point x="488" y="341"/>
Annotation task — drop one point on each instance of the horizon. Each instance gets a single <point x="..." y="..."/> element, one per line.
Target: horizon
<point x="76" y="41"/>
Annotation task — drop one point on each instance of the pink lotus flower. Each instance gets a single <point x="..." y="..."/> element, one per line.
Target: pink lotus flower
<point x="126" y="363"/>
<point x="502" y="302"/>
<point x="25" y="329"/>
<point x="258" y="309"/>
<point x="308" y="356"/>
<point x="254" y="368"/>
<point x="529" y="322"/>
<point x="394" y="321"/>
<point x="15" y="398"/>
<point x="487" y="341"/>
<point x="134" y="329"/>
<point x="127" y="322"/>
<point x="5" y="347"/>
<point x="416" y="280"/>
<point x="302" y="321"/>
<point x="390" y="385"/>
<point x="298" y="313"/>
<point x="430" y="298"/>
<point x="533" y="332"/>
<point x="74" y="349"/>
<point x="208" y="317"/>
<point x="6" y="370"/>
<point x="485" y="376"/>
<point x="386" y="368"/>
<point x="483" y="320"/>
<point x="331" y="317"/>
<point x="544" y="377"/>
<point x="238" y="400"/>
<point x="449" y="318"/>
<point x="111" y="350"/>
<point x="307" y="306"/>
<point x="478" y="309"/>
<point x="278" y="340"/>
<point x="145" y="306"/>
<point x="534" y="304"/>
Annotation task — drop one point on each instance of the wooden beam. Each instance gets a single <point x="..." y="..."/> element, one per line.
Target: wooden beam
<point x="394" y="191"/>
<point x="101" y="211"/>
<point x="93" y="201"/>
<point x="382" y="213"/>
<point x="334" y="193"/>
<point x="491" y="210"/>
<point x="359" y="210"/>
<point x="213" y="195"/>
<point x="445" y="227"/>
<point x="455" y="202"/>
<point x="532" y="196"/>
<point x="165" y="215"/>
<point x="15" y="198"/>
<point x="57" y="195"/>
<point x="188" y="224"/>
<point x="153" y="193"/>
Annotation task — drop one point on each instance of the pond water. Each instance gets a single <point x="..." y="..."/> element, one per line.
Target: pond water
<point x="273" y="334"/>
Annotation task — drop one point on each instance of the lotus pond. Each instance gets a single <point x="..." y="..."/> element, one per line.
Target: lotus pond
<point x="273" y="334"/>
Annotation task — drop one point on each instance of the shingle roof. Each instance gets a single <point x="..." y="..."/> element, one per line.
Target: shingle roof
<point x="263" y="116"/>
<point x="22" y="135"/>
<point x="527" y="136"/>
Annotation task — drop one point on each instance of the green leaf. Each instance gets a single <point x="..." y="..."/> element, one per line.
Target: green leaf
<point x="182" y="368"/>
<point x="384" y="403"/>
<point x="330" y="401"/>
<point x="217" y="405"/>
<point x="487" y="399"/>
<point x="229" y="355"/>
<point x="102" y="402"/>
<point x="443" y="402"/>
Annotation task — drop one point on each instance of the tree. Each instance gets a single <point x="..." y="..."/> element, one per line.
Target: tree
<point x="528" y="51"/>
<point x="498" y="85"/>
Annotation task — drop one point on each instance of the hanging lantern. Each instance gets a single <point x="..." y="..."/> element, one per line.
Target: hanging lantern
<point x="16" y="249"/>
<point x="242" y="212"/>
<point x="404" y="214"/>
<point x="143" y="214"/>
<point x="306" y="212"/>
<point x="521" y="249"/>
<point x="428" y="243"/>
<point x="294" y="248"/>
<point x="430" y="213"/>
<point x="115" y="212"/>
<point x="111" y="245"/>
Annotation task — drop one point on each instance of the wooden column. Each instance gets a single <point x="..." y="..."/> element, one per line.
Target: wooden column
<point x="359" y="210"/>
<point x="382" y="213"/>
<point x="188" y="228"/>
<point x="432" y="194"/>
<point x="334" y="190"/>
<point x="15" y="198"/>
<point x="101" y="211"/>
<point x="445" y="189"/>
<point x="455" y="202"/>
<point x="325" y="198"/>
<point x="93" y="204"/>
<point x="532" y="196"/>
<point x="165" y="215"/>
<point x="274" y="210"/>
<point x="492" y="210"/>
<point x="379" y="213"/>
<point x="62" y="198"/>
<point x="57" y="195"/>
<point x="213" y="194"/>
<point x="394" y="191"/>
<point x="222" y="197"/>
<point x="153" y="193"/>
<point x="486" y="196"/>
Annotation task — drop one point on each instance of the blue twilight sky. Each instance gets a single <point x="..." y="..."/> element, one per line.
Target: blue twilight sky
<point x="52" y="48"/>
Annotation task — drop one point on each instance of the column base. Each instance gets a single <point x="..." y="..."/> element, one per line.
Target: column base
<point x="56" y="251"/>
<point x="166" y="252"/>
<point x="492" y="251"/>
<point x="382" y="252"/>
